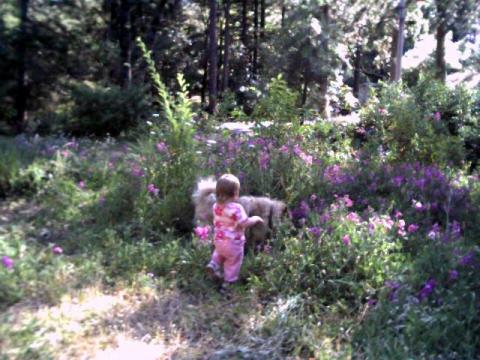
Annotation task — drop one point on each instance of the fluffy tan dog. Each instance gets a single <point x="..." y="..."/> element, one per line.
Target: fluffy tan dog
<point x="270" y="210"/>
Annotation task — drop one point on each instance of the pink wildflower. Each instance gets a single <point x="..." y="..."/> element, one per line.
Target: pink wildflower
<point x="418" y="205"/>
<point x="437" y="116"/>
<point x="348" y="201"/>
<point x="161" y="147"/>
<point x="57" y="250"/>
<point x="202" y="232"/>
<point x="346" y="239"/>
<point x="353" y="217"/>
<point x="81" y="184"/>
<point x="264" y="160"/>
<point x="267" y="249"/>
<point x="412" y="228"/>
<point x="383" y="111"/>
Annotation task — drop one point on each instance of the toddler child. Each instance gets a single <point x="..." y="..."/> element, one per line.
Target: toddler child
<point x="229" y="221"/>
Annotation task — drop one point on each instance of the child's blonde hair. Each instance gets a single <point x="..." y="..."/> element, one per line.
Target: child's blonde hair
<point x="227" y="187"/>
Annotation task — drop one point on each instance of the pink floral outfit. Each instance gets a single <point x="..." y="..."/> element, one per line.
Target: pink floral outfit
<point x="229" y="240"/>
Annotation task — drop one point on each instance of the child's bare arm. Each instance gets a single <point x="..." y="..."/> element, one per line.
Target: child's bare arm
<point x="252" y="220"/>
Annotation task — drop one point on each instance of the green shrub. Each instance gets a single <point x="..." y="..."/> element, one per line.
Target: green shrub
<point x="101" y="111"/>
<point x="276" y="113"/>
<point x="404" y="129"/>
<point x="20" y="172"/>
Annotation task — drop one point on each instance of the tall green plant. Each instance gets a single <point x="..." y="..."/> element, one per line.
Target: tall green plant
<point x="169" y="150"/>
<point x="176" y="110"/>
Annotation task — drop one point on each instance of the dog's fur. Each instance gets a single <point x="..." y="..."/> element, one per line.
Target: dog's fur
<point x="270" y="210"/>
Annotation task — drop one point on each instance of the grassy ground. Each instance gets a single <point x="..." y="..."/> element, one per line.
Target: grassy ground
<point x="148" y="318"/>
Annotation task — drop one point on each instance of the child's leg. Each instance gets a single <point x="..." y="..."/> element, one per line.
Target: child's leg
<point x="213" y="267"/>
<point x="217" y="260"/>
<point x="232" y="265"/>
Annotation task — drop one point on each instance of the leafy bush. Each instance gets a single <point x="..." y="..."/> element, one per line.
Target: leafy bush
<point x="20" y="172"/>
<point x="101" y="111"/>
<point x="404" y="130"/>
<point x="276" y="113"/>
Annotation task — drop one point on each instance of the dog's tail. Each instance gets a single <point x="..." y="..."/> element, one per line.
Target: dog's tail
<point x="205" y="187"/>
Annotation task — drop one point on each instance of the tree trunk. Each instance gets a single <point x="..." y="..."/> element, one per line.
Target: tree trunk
<point x="440" y="64"/>
<point x="396" y="71"/>
<point x="284" y="11"/>
<point x="262" y="18"/>
<point x="356" y="70"/>
<point x="255" y="39"/>
<point x="156" y="24"/>
<point x="393" y="54"/>
<point x="226" y="47"/>
<point x="205" y="69"/>
<point x="21" y="96"/>
<point x="244" y="22"/>
<point x="323" y="78"/>
<point x="212" y="84"/>
<point x="305" y="89"/>
<point x="125" y="44"/>
<point x="220" y="55"/>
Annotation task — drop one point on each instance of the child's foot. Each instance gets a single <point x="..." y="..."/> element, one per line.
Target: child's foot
<point x="213" y="272"/>
<point x="226" y="288"/>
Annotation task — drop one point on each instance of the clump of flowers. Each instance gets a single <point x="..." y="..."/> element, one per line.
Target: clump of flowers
<point x="202" y="232"/>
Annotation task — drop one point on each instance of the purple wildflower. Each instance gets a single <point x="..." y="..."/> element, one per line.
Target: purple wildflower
<point x="152" y="189"/>
<point x="300" y="212"/>
<point x="81" y="184"/>
<point x="434" y="231"/>
<point x="437" y="116"/>
<point x="161" y="147"/>
<point x="7" y="262"/>
<point x="452" y="275"/>
<point x="393" y="286"/>
<point x="137" y="171"/>
<point x="456" y="229"/>
<point x="346" y="240"/>
<point x="427" y="289"/>
<point x="468" y="259"/>
<point x="397" y="181"/>
<point x="315" y="231"/>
